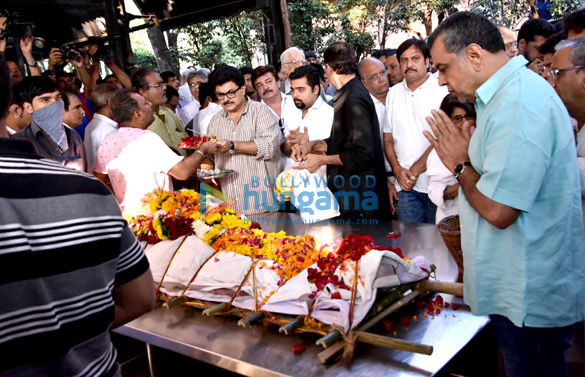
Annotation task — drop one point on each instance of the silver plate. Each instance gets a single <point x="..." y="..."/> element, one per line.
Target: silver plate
<point x="221" y="174"/>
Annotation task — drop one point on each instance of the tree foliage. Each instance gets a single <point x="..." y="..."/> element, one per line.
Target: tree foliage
<point x="233" y="40"/>
<point x="504" y="12"/>
<point x="310" y="22"/>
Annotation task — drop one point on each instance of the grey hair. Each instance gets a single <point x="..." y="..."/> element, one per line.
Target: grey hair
<point x="199" y="73"/>
<point x="102" y="94"/>
<point x="577" y="55"/>
<point x="286" y="53"/>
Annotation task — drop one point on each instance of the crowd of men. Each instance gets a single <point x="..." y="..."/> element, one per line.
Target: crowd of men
<point x="369" y="128"/>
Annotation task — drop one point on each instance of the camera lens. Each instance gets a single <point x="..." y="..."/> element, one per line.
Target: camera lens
<point x="71" y="55"/>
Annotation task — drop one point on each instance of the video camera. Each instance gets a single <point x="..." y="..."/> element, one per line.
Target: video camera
<point x="16" y="30"/>
<point x="71" y="49"/>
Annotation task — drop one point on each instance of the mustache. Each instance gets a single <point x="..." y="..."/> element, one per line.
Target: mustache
<point x="228" y="102"/>
<point x="410" y="69"/>
<point x="267" y="91"/>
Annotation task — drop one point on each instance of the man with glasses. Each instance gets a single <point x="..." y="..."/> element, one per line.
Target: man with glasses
<point x="248" y="143"/>
<point x="150" y="85"/>
<point x="407" y="150"/>
<point x="51" y="138"/>
<point x="509" y="40"/>
<point x="291" y="59"/>
<point x="568" y="73"/>
<point x="522" y="225"/>
<point x="375" y="78"/>
<point x="194" y="80"/>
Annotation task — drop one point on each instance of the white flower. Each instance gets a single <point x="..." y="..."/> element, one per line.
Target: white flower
<point x="200" y="228"/>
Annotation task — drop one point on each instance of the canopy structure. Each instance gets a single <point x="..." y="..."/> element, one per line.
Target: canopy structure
<point x="62" y="21"/>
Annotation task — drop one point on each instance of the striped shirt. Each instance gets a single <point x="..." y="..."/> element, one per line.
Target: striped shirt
<point x="64" y="246"/>
<point x="253" y="181"/>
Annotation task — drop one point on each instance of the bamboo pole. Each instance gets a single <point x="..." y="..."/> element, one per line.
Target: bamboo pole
<point x="292" y="325"/>
<point x="169" y="265"/>
<point x="197" y="272"/>
<point x="240" y="286"/>
<point x="353" y="294"/>
<point x="328" y="353"/>
<point x="329" y="339"/>
<point x="455" y="289"/>
<point x="399" y="344"/>
<point x="215" y="309"/>
<point x="251" y="319"/>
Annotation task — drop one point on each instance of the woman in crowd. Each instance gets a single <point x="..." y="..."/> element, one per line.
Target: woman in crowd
<point x="443" y="187"/>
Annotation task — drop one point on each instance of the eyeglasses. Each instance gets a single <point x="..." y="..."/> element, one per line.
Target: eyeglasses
<point x="459" y="118"/>
<point x="158" y="85"/>
<point x="554" y="73"/>
<point x="378" y="76"/>
<point x="509" y="45"/>
<point x="231" y="94"/>
<point x="296" y="62"/>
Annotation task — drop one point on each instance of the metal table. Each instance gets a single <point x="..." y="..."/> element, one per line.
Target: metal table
<point x="262" y="351"/>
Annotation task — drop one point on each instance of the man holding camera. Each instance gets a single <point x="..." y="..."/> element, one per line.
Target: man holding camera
<point x="26" y="46"/>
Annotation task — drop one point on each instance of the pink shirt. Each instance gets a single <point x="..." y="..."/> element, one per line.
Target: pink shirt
<point x="137" y="162"/>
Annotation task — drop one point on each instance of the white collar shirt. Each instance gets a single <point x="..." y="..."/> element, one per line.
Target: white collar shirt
<point x="96" y="131"/>
<point x="406" y="120"/>
<point x="317" y="122"/>
<point x="188" y="112"/>
<point x="185" y="96"/>
<point x="381" y="113"/>
<point x="202" y="118"/>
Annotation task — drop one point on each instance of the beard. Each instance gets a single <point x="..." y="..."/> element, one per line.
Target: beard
<point x="300" y="104"/>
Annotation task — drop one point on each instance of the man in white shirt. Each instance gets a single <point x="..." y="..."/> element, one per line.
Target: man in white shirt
<point x="185" y="96"/>
<point x="373" y="75"/>
<point x="209" y="107"/>
<point x="291" y="59"/>
<point x="135" y="160"/>
<point x="102" y="123"/>
<point x="194" y="79"/>
<point x="408" y="104"/>
<point x="265" y="80"/>
<point x="315" y="118"/>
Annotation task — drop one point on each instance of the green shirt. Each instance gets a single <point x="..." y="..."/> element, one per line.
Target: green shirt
<point x="168" y="126"/>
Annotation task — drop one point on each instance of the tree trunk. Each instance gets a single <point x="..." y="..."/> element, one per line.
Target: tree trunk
<point x="159" y="46"/>
<point x="428" y="21"/>
<point x="161" y="52"/>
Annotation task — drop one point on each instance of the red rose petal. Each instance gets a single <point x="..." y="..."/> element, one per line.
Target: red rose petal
<point x="298" y="349"/>
<point x="405" y="321"/>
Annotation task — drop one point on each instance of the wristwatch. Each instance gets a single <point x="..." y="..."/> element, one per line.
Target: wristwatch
<point x="35" y="64"/>
<point x="460" y="168"/>
<point x="232" y="148"/>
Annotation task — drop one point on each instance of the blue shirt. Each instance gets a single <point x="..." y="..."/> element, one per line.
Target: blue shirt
<point x="532" y="272"/>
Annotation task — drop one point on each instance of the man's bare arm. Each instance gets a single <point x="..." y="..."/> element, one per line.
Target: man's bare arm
<point x="133" y="299"/>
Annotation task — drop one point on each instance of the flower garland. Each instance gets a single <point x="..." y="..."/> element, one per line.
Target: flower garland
<point x="350" y="248"/>
<point x="165" y="215"/>
<point x="291" y="254"/>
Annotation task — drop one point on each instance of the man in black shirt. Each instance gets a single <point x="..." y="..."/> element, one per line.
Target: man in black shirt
<point x="354" y="159"/>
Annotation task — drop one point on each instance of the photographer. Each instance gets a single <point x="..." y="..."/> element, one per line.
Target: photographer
<point x="26" y="46"/>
